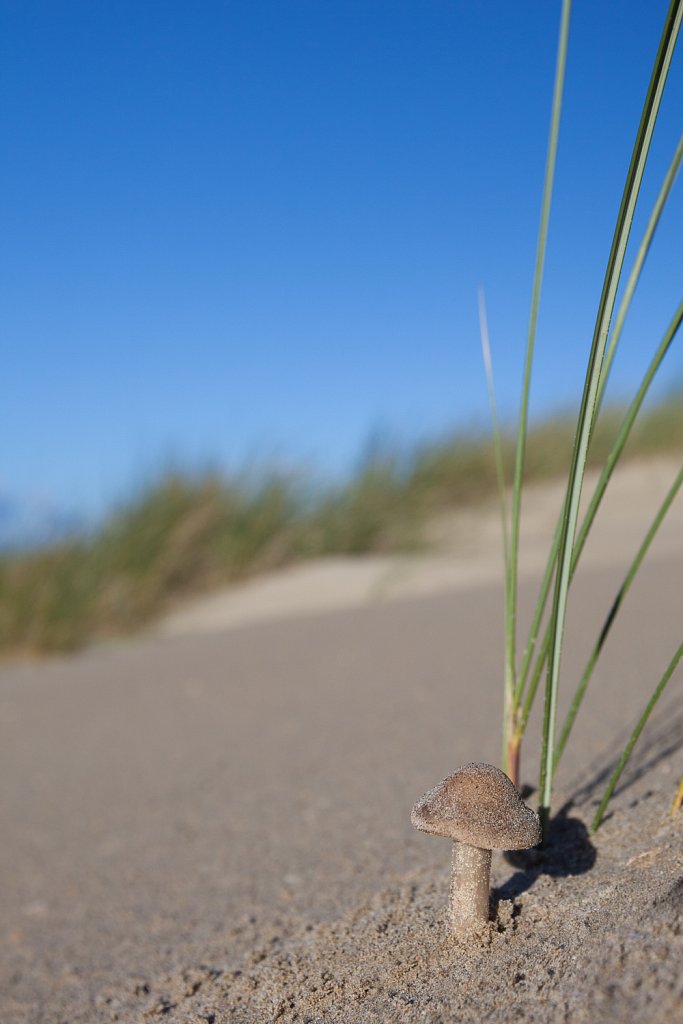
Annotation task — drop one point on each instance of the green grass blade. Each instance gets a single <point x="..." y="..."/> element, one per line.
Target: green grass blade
<point x="623" y="434"/>
<point x="538" y="614"/>
<point x="638" y="264"/>
<point x="530" y="694"/>
<point x="588" y="400"/>
<point x="634" y="277"/>
<point x="633" y="739"/>
<point x="511" y="610"/>
<point x="500" y="479"/>
<point x="616" y="604"/>
<point x="601" y="486"/>
<point x="495" y="426"/>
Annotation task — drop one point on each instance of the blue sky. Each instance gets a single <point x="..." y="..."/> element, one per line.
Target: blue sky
<point x="238" y="231"/>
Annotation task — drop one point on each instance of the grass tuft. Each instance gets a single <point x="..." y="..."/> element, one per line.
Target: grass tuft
<point x="567" y="544"/>
<point x="186" y="535"/>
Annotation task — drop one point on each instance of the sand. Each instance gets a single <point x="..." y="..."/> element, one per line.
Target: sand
<point x="464" y="550"/>
<point x="213" y="825"/>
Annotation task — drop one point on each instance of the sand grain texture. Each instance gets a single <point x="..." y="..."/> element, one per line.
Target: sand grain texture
<point x="215" y="826"/>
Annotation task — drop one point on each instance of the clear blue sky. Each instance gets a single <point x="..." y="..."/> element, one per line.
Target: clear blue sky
<point x="245" y="229"/>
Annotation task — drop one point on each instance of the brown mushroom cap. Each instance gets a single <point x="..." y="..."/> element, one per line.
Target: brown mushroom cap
<point x="478" y="805"/>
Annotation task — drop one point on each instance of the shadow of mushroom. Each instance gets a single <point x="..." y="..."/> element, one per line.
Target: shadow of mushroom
<point x="567" y="851"/>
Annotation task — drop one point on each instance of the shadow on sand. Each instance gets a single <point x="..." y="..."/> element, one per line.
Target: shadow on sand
<point x="663" y="739"/>
<point x="568" y="851"/>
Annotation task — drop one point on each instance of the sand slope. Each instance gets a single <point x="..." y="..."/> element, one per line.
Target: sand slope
<point x="464" y="549"/>
<point x="214" y="826"/>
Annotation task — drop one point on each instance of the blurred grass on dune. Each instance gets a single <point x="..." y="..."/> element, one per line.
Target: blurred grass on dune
<point x="186" y="534"/>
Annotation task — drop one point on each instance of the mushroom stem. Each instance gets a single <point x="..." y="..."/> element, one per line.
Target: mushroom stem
<point x="470" y="888"/>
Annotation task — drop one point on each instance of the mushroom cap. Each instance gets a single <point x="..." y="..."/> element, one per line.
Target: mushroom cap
<point x="478" y="805"/>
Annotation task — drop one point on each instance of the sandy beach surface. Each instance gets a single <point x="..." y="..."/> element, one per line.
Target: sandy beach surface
<point x="211" y="823"/>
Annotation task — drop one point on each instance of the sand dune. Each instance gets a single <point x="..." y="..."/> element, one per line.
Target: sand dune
<point x="465" y="549"/>
<point x="212" y="824"/>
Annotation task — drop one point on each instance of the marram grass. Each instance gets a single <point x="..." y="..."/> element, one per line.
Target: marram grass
<point x="511" y="705"/>
<point x="615" y="453"/>
<point x="187" y="533"/>
<point x="521" y="683"/>
<point x="611" y="616"/>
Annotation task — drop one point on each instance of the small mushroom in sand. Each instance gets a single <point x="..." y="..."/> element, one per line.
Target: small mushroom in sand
<point x="478" y="808"/>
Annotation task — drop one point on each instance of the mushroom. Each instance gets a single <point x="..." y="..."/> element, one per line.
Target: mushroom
<point x="478" y="808"/>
